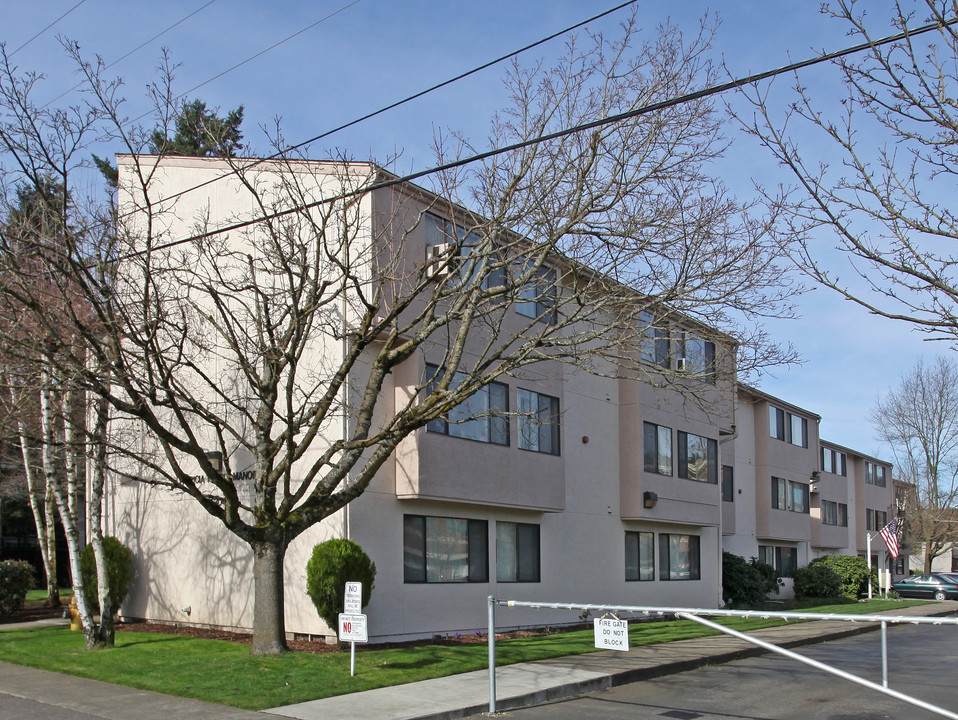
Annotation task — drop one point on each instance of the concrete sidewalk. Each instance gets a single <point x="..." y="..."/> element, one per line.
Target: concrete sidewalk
<point x="451" y="697"/>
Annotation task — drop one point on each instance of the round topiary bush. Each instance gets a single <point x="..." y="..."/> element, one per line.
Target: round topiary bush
<point x="817" y="581"/>
<point x="333" y="564"/>
<point x="119" y="566"/>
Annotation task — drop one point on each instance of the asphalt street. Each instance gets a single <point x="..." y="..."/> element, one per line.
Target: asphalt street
<point x="923" y="662"/>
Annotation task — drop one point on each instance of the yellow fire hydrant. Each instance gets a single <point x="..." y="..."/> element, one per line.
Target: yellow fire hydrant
<point x="75" y="623"/>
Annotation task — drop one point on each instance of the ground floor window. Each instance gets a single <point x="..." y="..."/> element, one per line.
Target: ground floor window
<point x="639" y="556"/>
<point x="517" y="552"/>
<point x="442" y="550"/>
<point x="679" y="557"/>
<point x="783" y="559"/>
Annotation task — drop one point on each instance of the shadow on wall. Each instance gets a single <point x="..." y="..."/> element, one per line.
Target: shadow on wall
<point x="187" y="567"/>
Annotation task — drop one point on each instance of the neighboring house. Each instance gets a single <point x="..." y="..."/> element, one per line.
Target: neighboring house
<point x="626" y="493"/>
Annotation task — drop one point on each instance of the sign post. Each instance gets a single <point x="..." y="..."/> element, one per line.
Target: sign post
<point x="352" y="623"/>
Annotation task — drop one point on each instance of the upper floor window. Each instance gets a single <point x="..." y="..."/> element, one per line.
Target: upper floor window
<point x="875" y="474"/>
<point x="728" y="484"/>
<point x="517" y="552"/>
<point x="789" y="495"/>
<point x="698" y="458"/>
<point x="639" y="556"/>
<point x="481" y="416"/>
<point x="696" y="356"/>
<point x="655" y="341"/>
<point x="875" y="519"/>
<point x="834" y="462"/>
<point x="537" y="298"/>
<point x="462" y="267"/>
<point x="679" y="557"/>
<point x="787" y="426"/>
<point x="657" y="448"/>
<point x="834" y="513"/>
<point x="445" y="550"/>
<point x="538" y="421"/>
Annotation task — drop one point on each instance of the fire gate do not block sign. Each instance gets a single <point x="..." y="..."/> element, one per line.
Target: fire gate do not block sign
<point x="611" y="634"/>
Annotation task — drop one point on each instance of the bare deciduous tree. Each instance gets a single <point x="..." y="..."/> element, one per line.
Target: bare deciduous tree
<point x="265" y="340"/>
<point x="918" y="420"/>
<point x="875" y="167"/>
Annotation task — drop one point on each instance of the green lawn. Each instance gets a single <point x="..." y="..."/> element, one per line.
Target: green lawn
<point x="226" y="673"/>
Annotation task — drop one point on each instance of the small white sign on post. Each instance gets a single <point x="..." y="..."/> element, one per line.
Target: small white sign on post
<point x="611" y="634"/>
<point x="353" y="602"/>
<point x="352" y="628"/>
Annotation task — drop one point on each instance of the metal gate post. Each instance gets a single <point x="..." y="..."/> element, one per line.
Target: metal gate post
<point x="492" y="655"/>
<point x="884" y="653"/>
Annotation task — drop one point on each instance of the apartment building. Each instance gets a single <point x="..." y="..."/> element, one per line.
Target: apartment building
<point x="551" y="484"/>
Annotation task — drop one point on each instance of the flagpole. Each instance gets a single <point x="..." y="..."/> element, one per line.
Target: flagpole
<point x="868" y="557"/>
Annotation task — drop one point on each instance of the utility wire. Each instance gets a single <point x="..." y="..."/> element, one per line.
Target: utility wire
<point x="136" y="49"/>
<point x="397" y="103"/>
<point x="47" y="28"/>
<point x="644" y="110"/>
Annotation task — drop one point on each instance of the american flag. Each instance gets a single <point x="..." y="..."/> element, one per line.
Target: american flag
<point x="889" y="534"/>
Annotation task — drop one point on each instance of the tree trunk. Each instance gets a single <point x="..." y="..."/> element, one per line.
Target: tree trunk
<point x="269" y="609"/>
<point x="105" y="632"/>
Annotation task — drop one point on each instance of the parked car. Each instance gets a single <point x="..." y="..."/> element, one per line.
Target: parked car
<point x="940" y="586"/>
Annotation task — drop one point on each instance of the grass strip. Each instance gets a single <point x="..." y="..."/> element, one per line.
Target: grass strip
<point x="226" y="673"/>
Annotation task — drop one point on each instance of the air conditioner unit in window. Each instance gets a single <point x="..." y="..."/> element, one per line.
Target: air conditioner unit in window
<point x="437" y="259"/>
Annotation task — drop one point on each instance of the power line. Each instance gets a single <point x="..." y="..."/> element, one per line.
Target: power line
<point x="398" y="103"/>
<point x="47" y="28"/>
<point x="136" y="49"/>
<point x="644" y="110"/>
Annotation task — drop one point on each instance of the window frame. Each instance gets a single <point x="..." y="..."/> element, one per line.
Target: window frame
<point x="416" y="530"/>
<point x="666" y="572"/>
<point x="711" y="457"/>
<point x="538" y="298"/>
<point x="639" y="556"/>
<point x="526" y="543"/>
<point x="547" y="405"/>
<point x="783" y="495"/>
<point x="653" y="434"/>
<point x="656" y="341"/>
<point x="495" y="416"/>
<point x="728" y="483"/>
<point x="781" y="426"/>
<point x="700" y="363"/>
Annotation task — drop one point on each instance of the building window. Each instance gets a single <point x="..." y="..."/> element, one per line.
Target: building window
<point x="834" y="513"/>
<point x="834" y="462"/>
<point x="728" y="484"/>
<point x="698" y="458"/>
<point x="789" y="495"/>
<point x="875" y="474"/>
<point x="658" y="448"/>
<point x="639" y="556"/>
<point x="875" y="519"/>
<point x="787" y="426"/>
<point x="538" y="422"/>
<point x="655" y="341"/>
<point x="462" y="268"/>
<point x="517" y="552"/>
<point x="679" y="557"/>
<point x="783" y="559"/>
<point x="445" y="550"/>
<point x="537" y="298"/>
<point x="482" y="416"/>
<point x="697" y="356"/>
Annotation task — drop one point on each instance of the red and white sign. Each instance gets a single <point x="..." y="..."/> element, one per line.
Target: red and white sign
<point x="352" y="628"/>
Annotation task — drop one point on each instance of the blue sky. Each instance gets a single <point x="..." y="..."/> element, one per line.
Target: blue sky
<point x="368" y="53"/>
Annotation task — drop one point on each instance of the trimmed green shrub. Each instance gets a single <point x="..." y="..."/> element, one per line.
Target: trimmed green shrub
<point x="746" y="582"/>
<point x="852" y="570"/>
<point x="333" y="564"/>
<point x="119" y="567"/>
<point x="816" y="581"/>
<point x="16" y="577"/>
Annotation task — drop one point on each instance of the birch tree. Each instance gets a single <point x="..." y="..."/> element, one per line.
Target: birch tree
<point x="269" y="337"/>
